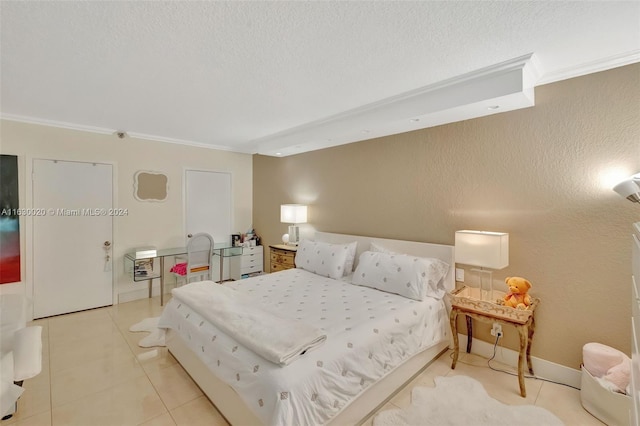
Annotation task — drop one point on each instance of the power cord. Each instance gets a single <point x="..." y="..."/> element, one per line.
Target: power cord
<point x="526" y="376"/>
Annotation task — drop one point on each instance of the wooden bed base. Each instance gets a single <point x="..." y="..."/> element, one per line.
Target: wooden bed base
<point x="229" y="403"/>
<point x="234" y="410"/>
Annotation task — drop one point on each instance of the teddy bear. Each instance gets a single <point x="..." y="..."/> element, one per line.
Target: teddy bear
<point x="518" y="296"/>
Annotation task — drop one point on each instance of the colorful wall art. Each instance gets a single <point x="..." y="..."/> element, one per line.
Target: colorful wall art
<point x="9" y="220"/>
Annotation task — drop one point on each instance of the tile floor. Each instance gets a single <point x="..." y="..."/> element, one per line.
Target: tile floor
<point x="95" y="374"/>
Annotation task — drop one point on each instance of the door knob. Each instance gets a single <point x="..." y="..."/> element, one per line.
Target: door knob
<point x="107" y="243"/>
<point x="189" y="235"/>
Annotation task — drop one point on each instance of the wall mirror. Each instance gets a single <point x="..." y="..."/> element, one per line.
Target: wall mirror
<point x="150" y="186"/>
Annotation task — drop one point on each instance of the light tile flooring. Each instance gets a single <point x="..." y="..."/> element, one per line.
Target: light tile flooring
<point x="94" y="374"/>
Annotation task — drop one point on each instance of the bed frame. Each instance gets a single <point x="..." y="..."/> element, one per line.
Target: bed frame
<point x="229" y="403"/>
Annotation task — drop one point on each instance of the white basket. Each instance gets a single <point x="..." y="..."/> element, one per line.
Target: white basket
<point x="610" y="407"/>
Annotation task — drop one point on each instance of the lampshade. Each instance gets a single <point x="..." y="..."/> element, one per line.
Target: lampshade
<point x="484" y="249"/>
<point x="293" y="213"/>
<point x="630" y="188"/>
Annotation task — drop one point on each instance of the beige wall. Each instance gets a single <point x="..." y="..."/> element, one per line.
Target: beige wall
<point x="148" y="223"/>
<point x="534" y="173"/>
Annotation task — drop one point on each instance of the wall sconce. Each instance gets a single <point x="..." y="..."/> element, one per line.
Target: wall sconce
<point x="483" y="249"/>
<point x="629" y="188"/>
<point x="294" y="214"/>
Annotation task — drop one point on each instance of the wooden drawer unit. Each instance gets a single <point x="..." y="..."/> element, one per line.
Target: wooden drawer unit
<point x="282" y="257"/>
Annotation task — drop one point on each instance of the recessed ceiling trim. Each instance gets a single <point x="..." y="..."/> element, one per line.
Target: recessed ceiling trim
<point x="511" y="77"/>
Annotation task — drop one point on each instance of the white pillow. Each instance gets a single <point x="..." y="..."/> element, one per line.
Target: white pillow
<point x="409" y="276"/>
<point x="321" y="258"/>
<point x="351" y="258"/>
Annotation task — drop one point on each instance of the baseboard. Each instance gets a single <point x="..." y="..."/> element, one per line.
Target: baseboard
<point x="143" y="293"/>
<point x="542" y="368"/>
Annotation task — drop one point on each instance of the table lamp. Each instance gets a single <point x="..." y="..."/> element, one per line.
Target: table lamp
<point x="293" y="214"/>
<point x="486" y="250"/>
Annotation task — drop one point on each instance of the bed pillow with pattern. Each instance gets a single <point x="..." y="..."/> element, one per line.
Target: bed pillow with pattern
<point x="327" y="260"/>
<point x="409" y="276"/>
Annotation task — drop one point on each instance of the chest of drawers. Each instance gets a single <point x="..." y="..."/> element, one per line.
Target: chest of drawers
<point x="282" y="257"/>
<point x="249" y="263"/>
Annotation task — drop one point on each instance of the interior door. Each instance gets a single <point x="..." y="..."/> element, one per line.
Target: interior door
<point x="208" y="209"/>
<point x="70" y="267"/>
<point x="208" y="204"/>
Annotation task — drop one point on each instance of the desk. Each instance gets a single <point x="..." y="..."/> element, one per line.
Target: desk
<point x="463" y="302"/>
<point x="221" y="250"/>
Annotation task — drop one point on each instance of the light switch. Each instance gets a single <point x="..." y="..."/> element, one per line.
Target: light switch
<point x="460" y="275"/>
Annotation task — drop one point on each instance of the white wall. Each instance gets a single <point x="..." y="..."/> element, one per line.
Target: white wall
<point x="147" y="223"/>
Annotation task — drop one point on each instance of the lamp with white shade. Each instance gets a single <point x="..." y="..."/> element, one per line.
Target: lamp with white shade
<point x="484" y="249"/>
<point x="629" y="188"/>
<point x="293" y="214"/>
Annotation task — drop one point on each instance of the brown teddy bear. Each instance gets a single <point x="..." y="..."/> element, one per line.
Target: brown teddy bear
<point x="517" y="297"/>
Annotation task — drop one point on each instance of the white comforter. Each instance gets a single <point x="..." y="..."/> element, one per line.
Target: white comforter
<point x="270" y="334"/>
<point x="369" y="333"/>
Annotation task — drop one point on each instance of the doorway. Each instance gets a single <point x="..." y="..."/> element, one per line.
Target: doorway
<point x="72" y="237"/>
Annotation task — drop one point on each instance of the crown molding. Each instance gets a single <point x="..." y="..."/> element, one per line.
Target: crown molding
<point x="615" y="61"/>
<point x="54" y="123"/>
<point x="105" y="131"/>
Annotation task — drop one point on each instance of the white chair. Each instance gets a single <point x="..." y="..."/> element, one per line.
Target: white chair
<point x="20" y="351"/>
<point x="198" y="261"/>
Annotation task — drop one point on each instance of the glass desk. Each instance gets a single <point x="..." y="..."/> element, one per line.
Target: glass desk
<point x="221" y="250"/>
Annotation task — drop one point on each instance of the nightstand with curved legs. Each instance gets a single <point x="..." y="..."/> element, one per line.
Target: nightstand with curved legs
<point x="489" y="313"/>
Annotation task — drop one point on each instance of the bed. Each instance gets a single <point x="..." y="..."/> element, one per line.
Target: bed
<point x="376" y="341"/>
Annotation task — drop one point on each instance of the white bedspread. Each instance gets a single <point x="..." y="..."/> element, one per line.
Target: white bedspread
<point x="369" y="334"/>
<point x="272" y="335"/>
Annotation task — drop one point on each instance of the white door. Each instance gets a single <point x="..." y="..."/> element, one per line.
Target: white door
<point x="208" y="209"/>
<point x="70" y="271"/>
<point x="208" y="204"/>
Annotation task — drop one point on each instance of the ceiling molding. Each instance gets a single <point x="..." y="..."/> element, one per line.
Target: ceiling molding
<point x="460" y="98"/>
<point x="54" y="123"/>
<point x="622" y="59"/>
<point x="105" y="131"/>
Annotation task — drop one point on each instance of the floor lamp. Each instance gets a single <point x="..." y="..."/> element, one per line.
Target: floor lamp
<point x="484" y="249"/>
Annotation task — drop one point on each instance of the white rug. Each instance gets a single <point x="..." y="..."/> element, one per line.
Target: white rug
<point x="157" y="336"/>
<point x="461" y="400"/>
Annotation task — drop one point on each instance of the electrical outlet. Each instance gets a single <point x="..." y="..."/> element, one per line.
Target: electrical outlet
<point x="496" y="330"/>
<point x="460" y="275"/>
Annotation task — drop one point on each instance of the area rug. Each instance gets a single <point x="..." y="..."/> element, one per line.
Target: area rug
<point x="461" y="400"/>
<point x="157" y="336"/>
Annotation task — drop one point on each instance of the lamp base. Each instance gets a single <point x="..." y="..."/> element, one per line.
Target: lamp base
<point x="486" y="286"/>
<point x="294" y="235"/>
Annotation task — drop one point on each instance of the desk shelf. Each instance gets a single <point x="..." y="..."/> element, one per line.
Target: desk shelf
<point x="141" y="269"/>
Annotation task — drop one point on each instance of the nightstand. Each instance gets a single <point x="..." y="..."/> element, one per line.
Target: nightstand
<point x="282" y="257"/>
<point x="464" y="303"/>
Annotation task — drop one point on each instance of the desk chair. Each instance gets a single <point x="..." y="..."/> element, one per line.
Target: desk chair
<point x="197" y="265"/>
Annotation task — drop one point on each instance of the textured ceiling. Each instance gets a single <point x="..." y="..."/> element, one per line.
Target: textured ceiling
<point x="233" y="74"/>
